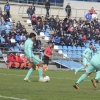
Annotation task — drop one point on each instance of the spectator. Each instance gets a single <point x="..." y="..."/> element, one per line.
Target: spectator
<point x="30" y="12"/>
<point x="34" y="21"/>
<point x="1" y="20"/>
<point x="38" y="28"/>
<point x="57" y="19"/>
<point x="38" y="43"/>
<point x="22" y="46"/>
<point x="84" y="38"/>
<point x="93" y="13"/>
<point x="8" y="42"/>
<point x="68" y="41"/>
<point x="11" y="60"/>
<point x="7" y="9"/>
<point x="3" y="32"/>
<point x="33" y="8"/>
<point x="24" y="31"/>
<point x="68" y="10"/>
<point x="23" y="37"/>
<point x="6" y="18"/>
<point x="18" y="38"/>
<point x="62" y="40"/>
<point x="70" y="29"/>
<point x="13" y="41"/>
<point x="57" y="40"/>
<point x="47" y="7"/>
<point x="18" y="60"/>
<point x="51" y="39"/>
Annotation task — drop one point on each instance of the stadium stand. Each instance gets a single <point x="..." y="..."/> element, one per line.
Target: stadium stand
<point x="70" y="36"/>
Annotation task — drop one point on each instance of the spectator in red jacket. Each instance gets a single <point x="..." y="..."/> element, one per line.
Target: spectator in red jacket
<point x="34" y="21"/>
<point x="18" y="60"/>
<point x="84" y="38"/>
<point x="70" y="29"/>
<point x="25" y="62"/>
<point x="12" y="61"/>
<point x="92" y="11"/>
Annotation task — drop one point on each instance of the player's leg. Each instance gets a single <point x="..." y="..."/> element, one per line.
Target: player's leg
<point x="30" y="71"/>
<point x="89" y="70"/>
<point x="97" y="75"/>
<point x="85" y="65"/>
<point x="95" y="80"/>
<point x="40" y="70"/>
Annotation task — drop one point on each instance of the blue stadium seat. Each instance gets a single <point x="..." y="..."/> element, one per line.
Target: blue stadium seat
<point x="74" y="48"/>
<point x="9" y="23"/>
<point x="64" y="47"/>
<point x="79" y="48"/>
<point x="70" y="48"/>
<point x="97" y="45"/>
<point x="46" y="34"/>
<point x="60" y="47"/>
<point x="83" y="48"/>
<point x="17" y="45"/>
<point x="16" y="49"/>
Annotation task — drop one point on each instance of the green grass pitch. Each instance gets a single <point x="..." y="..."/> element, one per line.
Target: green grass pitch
<point x="59" y="87"/>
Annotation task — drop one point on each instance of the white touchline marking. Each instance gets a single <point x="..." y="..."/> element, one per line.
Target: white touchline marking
<point x="37" y="76"/>
<point x="13" y="98"/>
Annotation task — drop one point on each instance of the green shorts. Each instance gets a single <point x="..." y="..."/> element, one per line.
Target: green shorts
<point x="35" y="59"/>
<point x="92" y="67"/>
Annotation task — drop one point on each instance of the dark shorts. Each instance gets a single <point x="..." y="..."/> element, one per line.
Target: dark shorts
<point x="46" y="60"/>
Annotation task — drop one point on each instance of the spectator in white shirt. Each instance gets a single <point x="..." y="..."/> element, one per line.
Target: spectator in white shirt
<point x="13" y="41"/>
<point x="23" y="37"/>
<point x="22" y="46"/>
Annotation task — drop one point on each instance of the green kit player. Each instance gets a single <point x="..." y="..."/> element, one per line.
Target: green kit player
<point x="28" y="49"/>
<point x="87" y="54"/>
<point x="94" y="65"/>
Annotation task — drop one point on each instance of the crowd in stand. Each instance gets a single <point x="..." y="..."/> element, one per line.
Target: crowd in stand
<point x="13" y="34"/>
<point x="62" y="32"/>
<point x="68" y="31"/>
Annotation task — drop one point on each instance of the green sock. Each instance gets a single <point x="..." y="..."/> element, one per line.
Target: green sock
<point x="81" y="78"/>
<point x="29" y="73"/>
<point x="80" y="69"/>
<point x="97" y="75"/>
<point x="40" y="73"/>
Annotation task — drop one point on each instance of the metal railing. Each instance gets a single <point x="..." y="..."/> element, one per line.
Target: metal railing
<point x="60" y="11"/>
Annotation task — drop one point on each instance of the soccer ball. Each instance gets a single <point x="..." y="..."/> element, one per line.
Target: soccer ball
<point x="47" y="78"/>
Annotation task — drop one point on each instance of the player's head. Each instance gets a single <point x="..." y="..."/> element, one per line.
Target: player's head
<point x="32" y="36"/>
<point x="51" y="44"/>
<point x="90" y="46"/>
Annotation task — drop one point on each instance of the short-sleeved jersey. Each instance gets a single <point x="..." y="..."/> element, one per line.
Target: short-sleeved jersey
<point x="88" y="53"/>
<point x="48" y="51"/>
<point x="28" y="48"/>
<point x="96" y="57"/>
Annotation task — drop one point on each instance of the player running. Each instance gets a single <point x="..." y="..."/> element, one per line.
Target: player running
<point x="94" y="65"/>
<point x="87" y="54"/>
<point x="28" y="49"/>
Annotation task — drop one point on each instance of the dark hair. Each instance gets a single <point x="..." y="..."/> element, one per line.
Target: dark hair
<point x="91" y="43"/>
<point x="32" y="35"/>
<point x="50" y="42"/>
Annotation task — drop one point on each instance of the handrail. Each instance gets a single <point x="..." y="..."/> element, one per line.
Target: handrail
<point x="61" y="12"/>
